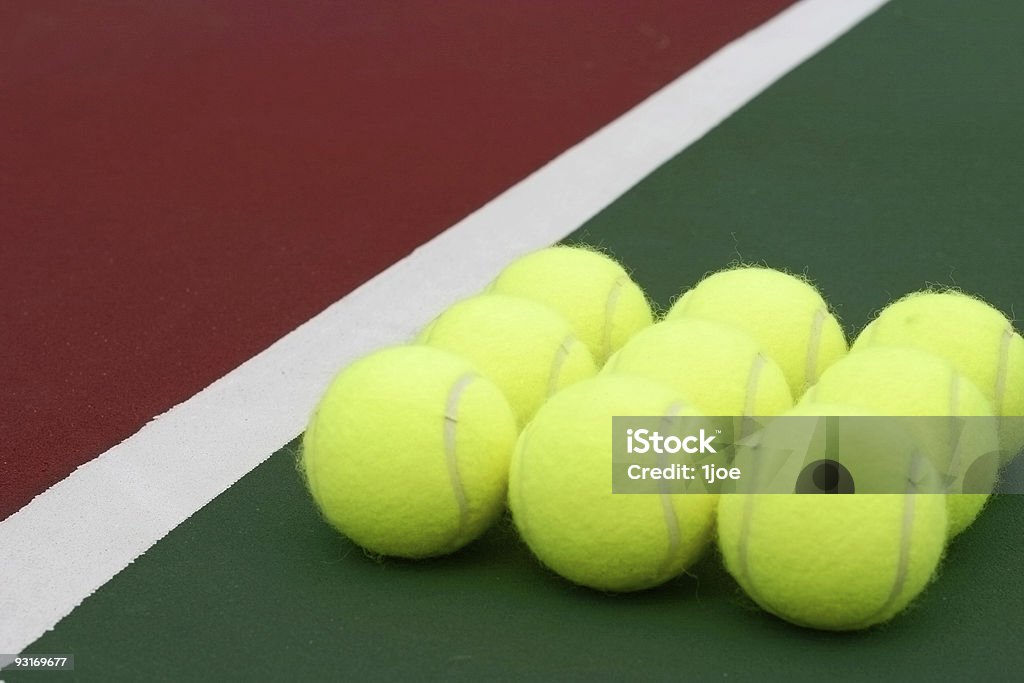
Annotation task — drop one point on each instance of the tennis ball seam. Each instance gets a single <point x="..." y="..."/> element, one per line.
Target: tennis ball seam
<point x="906" y="539"/>
<point x="451" y="420"/>
<point x="813" y="348"/>
<point x="519" y="458"/>
<point x="609" y="311"/>
<point x="753" y="381"/>
<point x="668" y="508"/>
<point x="561" y="355"/>
<point x="954" y="433"/>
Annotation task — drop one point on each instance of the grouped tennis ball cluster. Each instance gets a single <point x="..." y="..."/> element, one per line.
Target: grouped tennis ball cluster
<point x="506" y="399"/>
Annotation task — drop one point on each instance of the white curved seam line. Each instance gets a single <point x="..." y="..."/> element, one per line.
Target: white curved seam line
<point x="451" y="421"/>
<point x="955" y="429"/>
<point x="609" y="317"/>
<point x="672" y="529"/>
<point x="906" y="541"/>
<point x="561" y="354"/>
<point x="519" y="455"/>
<point x="750" y="400"/>
<point x="813" y="349"/>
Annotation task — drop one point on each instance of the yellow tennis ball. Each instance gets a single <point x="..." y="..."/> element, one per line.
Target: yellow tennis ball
<point x="594" y="293"/>
<point x="802" y="451"/>
<point x="719" y="369"/>
<point x="903" y="381"/>
<point x="524" y="347"/>
<point x="976" y="338"/>
<point x="407" y="453"/>
<point x="560" y="492"/>
<point x="783" y="313"/>
<point x="835" y="562"/>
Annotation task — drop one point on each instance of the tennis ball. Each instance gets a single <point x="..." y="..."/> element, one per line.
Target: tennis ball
<point x="863" y="455"/>
<point x="783" y="313"/>
<point x="407" y="453"/>
<point x="719" y="369"/>
<point x="594" y="293"/>
<point x="525" y="348"/>
<point x="977" y="339"/>
<point x="903" y="381"/>
<point x="835" y="562"/>
<point x="560" y="492"/>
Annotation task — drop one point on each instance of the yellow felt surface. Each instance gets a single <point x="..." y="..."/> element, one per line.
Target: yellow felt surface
<point x="377" y="462"/>
<point x="831" y="561"/>
<point x="786" y="315"/>
<point x="526" y="348"/>
<point x="904" y="381"/>
<point x="560" y="492"/>
<point x="593" y="292"/>
<point x="976" y="338"/>
<point x="719" y="369"/>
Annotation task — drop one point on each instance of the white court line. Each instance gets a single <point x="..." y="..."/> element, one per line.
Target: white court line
<point x="77" y="535"/>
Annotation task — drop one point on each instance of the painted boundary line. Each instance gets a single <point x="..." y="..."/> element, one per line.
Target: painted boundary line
<point x="80" y="533"/>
